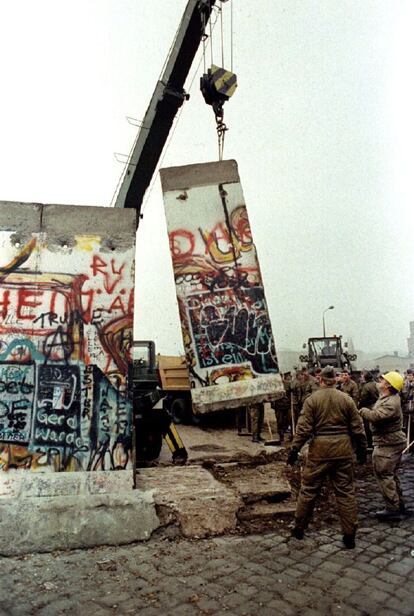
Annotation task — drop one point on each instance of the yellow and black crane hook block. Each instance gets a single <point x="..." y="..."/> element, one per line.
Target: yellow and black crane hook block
<point x="217" y="86"/>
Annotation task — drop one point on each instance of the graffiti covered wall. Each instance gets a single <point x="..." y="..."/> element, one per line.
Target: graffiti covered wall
<point x="226" y="328"/>
<point x="66" y="303"/>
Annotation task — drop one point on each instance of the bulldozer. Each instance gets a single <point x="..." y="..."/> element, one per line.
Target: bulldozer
<point x="328" y="351"/>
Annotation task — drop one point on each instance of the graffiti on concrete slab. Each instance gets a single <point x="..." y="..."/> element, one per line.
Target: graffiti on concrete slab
<point x="224" y="316"/>
<point x="65" y="337"/>
<point x="17" y="396"/>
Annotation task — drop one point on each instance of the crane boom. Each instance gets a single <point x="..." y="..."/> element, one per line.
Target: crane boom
<point x="167" y="98"/>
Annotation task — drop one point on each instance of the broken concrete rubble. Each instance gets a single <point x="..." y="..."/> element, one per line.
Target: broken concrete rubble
<point x="201" y="505"/>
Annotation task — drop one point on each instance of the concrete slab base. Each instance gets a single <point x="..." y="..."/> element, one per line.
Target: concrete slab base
<point x="46" y="512"/>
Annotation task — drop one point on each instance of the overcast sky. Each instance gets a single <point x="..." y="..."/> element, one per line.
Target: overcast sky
<point x="321" y="127"/>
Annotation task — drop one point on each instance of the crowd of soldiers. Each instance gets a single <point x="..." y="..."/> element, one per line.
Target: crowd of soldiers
<point x="331" y="420"/>
<point x="364" y="392"/>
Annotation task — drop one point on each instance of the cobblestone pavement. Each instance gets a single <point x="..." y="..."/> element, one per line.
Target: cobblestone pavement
<point x="261" y="574"/>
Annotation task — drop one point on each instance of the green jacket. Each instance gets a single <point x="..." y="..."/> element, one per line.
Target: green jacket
<point x="330" y="419"/>
<point x="351" y="388"/>
<point x="302" y="390"/>
<point x="386" y="421"/>
<point x="368" y="395"/>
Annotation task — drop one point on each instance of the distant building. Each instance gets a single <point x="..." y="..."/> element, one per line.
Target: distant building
<point x="410" y="341"/>
<point x="385" y="363"/>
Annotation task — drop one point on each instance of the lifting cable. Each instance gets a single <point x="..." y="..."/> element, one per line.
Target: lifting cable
<point x="217" y="84"/>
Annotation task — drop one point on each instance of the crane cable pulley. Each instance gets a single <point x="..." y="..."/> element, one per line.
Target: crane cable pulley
<point x="217" y="85"/>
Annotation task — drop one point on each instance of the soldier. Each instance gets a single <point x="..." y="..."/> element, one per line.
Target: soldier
<point x="316" y="374"/>
<point x="281" y="407"/>
<point x="256" y="415"/>
<point x="330" y="419"/>
<point x="369" y="392"/>
<point x="368" y="395"/>
<point x="308" y="384"/>
<point x="407" y="403"/>
<point x="348" y="386"/>
<point x="302" y="387"/>
<point x="296" y="393"/>
<point x="389" y="442"/>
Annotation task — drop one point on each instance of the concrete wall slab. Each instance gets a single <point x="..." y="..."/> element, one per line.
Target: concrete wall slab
<point x="225" y="322"/>
<point x="66" y="304"/>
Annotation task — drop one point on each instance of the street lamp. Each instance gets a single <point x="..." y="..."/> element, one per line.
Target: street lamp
<point x="323" y="319"/>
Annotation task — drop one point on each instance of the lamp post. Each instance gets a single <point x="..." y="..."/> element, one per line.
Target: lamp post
<point x="323" y="319"/>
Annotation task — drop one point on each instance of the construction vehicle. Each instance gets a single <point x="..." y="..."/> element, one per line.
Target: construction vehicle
<point x="328" y="351"/>
<point x="146" y="389"/>
<point x="152" y="423"/>
<point x="175" y="382"/>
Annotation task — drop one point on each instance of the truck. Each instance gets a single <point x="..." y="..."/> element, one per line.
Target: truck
<point x="152" y="419"/>
<point x="328" y="351"/>
<point x="175" y="382"/>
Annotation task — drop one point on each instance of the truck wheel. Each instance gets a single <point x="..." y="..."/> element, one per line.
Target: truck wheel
<point x="148" y="445"/>
<point x="179" y="411"/>
<point x="196" y="420"/>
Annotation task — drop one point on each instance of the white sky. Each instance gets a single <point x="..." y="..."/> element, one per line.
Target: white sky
<point x="321" y="127"/>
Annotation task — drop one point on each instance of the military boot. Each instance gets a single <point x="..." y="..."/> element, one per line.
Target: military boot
<point x="297" y="532"/>
<point x="348" y="539"/>
<point x="388" y="515"/>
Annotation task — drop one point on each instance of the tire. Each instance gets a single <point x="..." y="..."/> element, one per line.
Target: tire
<point x="179" y="411"/>
<point x="196" y="420"/>
<point x="148" y="445"/>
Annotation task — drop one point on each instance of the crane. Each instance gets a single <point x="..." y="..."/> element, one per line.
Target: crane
<point x="166" y="100"/>
<point x="217" y="85"/>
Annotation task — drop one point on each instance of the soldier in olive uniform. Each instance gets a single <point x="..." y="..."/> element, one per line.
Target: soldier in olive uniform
<point x="256" y="416"/>
<point x="368" y="395"/>
<point x="389" y="442"/>
<point x="407" y="403"/>
<point x="296" y="393"/>
<point x="369" y="392"/>
<point x="330" y="421"/>
<point x="348" y="386"/>
<point x="281" y="407"/>
<point x="302" y="387"/>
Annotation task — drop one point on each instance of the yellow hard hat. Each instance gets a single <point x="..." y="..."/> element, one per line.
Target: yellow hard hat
<point x="394" y="379"/>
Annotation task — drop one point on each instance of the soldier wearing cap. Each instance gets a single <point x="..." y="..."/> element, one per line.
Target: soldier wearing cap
<point x="302" y="387"/>
<point x="407" y="403"/>
<point x="330" y="421"/>
<point x="348" y="386"/>
<point x="386" y="422"/>
<point x="369" y="392"/>
<point x="368" y="395"/>
<point x="282" y="408"/>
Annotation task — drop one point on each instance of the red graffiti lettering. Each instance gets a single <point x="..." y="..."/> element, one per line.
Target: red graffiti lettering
<point x="4" y="304"/>
<point x="98" y="265"/>
<point x="131" y="302"/>
<point x="241" y="227"/>
<point x="23" y="302"/>
<point x="117" y="304"/>
<point x="182" y="243"/>
<point x="114" y="270"/>
<point x="87" y="304"/>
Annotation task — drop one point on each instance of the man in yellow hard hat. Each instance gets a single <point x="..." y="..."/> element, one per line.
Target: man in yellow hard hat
<point x="386" y="422"/>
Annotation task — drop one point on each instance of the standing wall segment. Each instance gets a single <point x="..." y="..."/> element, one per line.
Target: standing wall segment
<point x="66" y="304"/>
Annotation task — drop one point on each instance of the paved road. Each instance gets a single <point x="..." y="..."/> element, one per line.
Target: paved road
<point x="259" y="575"/>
